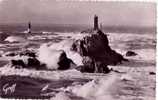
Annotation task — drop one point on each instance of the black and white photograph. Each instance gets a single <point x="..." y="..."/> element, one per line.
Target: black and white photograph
<point x="77" y="50"/>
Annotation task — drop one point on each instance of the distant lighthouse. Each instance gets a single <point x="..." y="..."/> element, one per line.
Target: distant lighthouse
<point x="96" y="22"/>
<point x="29" y="27"/>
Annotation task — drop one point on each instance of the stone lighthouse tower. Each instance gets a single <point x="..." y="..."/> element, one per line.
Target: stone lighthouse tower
<point x="96" y="22"/>
<point x="29" y="27"/>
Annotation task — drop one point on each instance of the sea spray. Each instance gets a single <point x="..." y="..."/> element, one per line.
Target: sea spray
<point x="61" y="96"/>
<point x="49" y="54"/>
<point x="97" y="89"/>
<point x="66" y="46"/>
<point x="15" y="39"/>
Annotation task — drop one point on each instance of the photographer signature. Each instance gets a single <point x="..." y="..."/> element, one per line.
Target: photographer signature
<point x="9" y="88"/>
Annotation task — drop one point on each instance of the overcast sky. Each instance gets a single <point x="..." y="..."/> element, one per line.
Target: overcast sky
<point x="50" y="11"/>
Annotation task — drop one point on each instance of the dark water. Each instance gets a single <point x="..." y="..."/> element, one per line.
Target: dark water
<point x="73" y="28"/>
<point x="27" y="87"/>
<point x="38" y="28"/>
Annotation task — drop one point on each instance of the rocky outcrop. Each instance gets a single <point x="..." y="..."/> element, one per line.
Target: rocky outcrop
<point x="92" y="66"/>
<point x="131" y="53"/>
<point x="31" y="63"/>
<point x="64" y="62"/>
<point x="29" y="60"/>
<point x="152" y="73"/>
<point x="96" y="52"/>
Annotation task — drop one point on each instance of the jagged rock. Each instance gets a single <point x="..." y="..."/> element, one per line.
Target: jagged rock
<point x="31" y="63"/>
<point x="93" y="66"/>
<point x="88" y="66"/>
<point x="18" y="64"/>
<point x="34" y="63"/>
<point x="92" y="45"/>
<point x="131" y="53"/>
<point x="152" y="73"/>
<point x="64" y="62"/>
<point x="96" y="47"/>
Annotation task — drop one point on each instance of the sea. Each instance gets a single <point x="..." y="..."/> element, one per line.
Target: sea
<point x="134" y="81"/>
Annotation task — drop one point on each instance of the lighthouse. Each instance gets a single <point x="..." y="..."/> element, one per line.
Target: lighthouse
<point x="96" y="22"/>
<point x="29" y="27"/>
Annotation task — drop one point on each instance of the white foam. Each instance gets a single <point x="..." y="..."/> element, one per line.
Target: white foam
<point x="97" y="89"/>
<point x="46" y="32"/>
<point x="129" y="36"/>
<point x="126" y="77"/>
<point x="50" y="53"/>
<point x="15" y="39"/>
<point x="61" y="96"/>
<point x="66" y="45"/>
<point x="44" y="74"/>
<point x="49" y="56"/>
<point x="76" y="35"/>
<point x="146" y="54"/>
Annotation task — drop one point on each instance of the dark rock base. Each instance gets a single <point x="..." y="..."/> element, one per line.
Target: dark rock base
<point x="96" y="53"/>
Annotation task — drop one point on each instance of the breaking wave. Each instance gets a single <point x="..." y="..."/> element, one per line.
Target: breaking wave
<point x="15" y="39"/>
<point x="49" y="53"/>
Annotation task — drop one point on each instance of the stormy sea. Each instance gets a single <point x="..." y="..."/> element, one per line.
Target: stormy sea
<point x="134" y="79"/>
